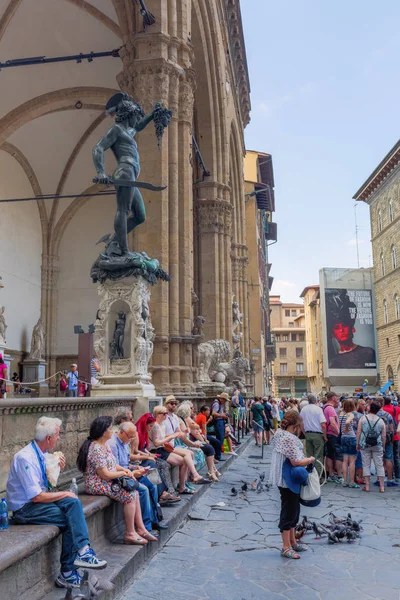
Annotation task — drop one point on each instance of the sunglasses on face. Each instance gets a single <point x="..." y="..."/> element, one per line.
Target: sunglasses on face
<point x="163" y="413"/>
<point x="172" y="403"/>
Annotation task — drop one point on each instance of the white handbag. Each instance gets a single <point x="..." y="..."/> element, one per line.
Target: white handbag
<point x="310" y="495"/>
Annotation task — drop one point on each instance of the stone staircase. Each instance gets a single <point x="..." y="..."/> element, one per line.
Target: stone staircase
<point x="29" y="554"/>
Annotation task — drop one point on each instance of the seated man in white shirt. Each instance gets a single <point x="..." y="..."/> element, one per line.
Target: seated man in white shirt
<point x="314" y="427"/>
<point x="30" y="499"/>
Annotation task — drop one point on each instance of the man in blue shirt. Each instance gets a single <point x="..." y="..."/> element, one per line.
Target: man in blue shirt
<point x="72" y="377"/>
<point x="148" y="492"/>
<point x="29" y="497"/>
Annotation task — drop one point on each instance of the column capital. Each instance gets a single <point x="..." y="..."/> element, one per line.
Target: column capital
<point x="215" y="216"/>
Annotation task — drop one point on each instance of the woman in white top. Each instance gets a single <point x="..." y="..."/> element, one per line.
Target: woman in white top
<point x="157" y="441"/>
<point x="286" y="445"/>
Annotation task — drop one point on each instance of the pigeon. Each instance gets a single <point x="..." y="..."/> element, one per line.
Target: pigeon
<point x="262" y="476"/>
<point x="351" y="536"/>
<point x="233" y="492"/>
<point x="259" y="487"/>
<point x="245" y="487"/>
<point x="299" y="532"/>
<point x="254" y="485"/>
<point x="332" y="538"/>
<point x="319" y="531"/>
<point x="74" y="487"/>
<point x="306" y="524"/>
<point x="97" y="586"/>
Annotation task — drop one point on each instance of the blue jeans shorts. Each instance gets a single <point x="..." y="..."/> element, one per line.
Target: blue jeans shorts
<point x="388" y="452"/>
<point x="257" y="428"/>
<point x="349" y="446"/>
<point x="358" y="461"/>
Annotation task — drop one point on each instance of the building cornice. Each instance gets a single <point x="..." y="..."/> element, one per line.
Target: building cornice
<point x="238" y="53"/>
<point x="380" y="175"/>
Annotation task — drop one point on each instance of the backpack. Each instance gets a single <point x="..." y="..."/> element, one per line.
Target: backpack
<point x="63" y="385"/>
<point x="389" y="434"/>
<point x="372" y="436"/>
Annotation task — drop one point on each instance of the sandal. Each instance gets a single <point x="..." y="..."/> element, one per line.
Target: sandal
<point x="382" y="491"/>
<point x="290" y="553"/>
<point x="299" y="547"/>
<point x="354" y="486"/>
<point x="212" y="477"/>
<point x="168" y="498"/>
<point x="218" y="474"/>
<point x="187" y="492"/>
<point x="135" y="541"/>
<point x="364" y="489"/>
<point x="149" y="537"/>
<point x="201" y="481"/>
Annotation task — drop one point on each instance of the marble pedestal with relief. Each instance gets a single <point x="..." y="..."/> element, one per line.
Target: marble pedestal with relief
<point x="128" y="375"/>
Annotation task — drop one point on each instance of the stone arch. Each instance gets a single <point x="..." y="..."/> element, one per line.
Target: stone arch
<point x="31" y="175"/>
<point x="97" y="14"/>
<point x="51" y="101"/>
<point x="70" y="162"/>
<point x="68" y="214"/>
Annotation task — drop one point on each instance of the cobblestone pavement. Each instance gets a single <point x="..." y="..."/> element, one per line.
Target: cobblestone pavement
<point x="232" y="552"/>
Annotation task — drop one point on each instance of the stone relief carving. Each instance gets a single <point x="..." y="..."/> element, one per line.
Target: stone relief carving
<point x="37" y="341"/>
<point x="209" y="355"/>
<point x="135" y="292"/>
<point x="121" y="367"/>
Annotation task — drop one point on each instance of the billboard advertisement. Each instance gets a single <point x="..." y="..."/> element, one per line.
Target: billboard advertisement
<point x="350" y="329"/>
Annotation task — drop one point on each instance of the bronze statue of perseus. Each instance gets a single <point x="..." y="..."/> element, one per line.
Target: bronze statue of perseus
<point x="117" y="261"/>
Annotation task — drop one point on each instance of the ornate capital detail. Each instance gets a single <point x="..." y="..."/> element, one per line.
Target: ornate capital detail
<point x="215" y="216"/>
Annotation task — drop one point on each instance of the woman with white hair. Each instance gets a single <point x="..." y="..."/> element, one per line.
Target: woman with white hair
<point x="185" y="412"/>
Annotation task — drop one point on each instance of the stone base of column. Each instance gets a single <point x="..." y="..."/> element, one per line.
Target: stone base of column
<point x="35" y="370"/>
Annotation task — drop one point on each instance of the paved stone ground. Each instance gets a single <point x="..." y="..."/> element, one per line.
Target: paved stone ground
<point x="232" y="552"/>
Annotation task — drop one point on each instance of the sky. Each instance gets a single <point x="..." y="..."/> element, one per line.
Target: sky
<point x="325" y="91"/>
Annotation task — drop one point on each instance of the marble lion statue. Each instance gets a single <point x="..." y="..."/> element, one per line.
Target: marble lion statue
<point x="210" y="355"/>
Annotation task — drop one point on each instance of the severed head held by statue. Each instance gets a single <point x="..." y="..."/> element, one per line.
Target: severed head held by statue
<point x="117" y="261"/>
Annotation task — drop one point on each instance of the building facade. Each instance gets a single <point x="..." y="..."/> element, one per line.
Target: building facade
<point x="290" y="365"/>
<point x="381" y="191"/>
<point x="193" y="60"/>
<point x="314" y="341"/>
<point x="261" y="232"/>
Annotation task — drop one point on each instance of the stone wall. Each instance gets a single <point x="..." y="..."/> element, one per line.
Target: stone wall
<point x="18" y="418"/>
<point x="385" y="228"/>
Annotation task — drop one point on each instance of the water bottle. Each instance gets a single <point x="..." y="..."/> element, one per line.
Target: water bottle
<point x="74" y="487"/>
<point x="3" y="514"/>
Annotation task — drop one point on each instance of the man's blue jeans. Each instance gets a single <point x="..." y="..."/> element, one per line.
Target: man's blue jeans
<point x="219" y="425"/>
<point x="148" y="497"/>
<point x="68" y="515"/>
<point x="216" y="444"/>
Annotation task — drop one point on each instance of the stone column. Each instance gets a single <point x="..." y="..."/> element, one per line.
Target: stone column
<point x="215" y="218"/>
<point x="50" y="272"/>
<point x="157" y="68"/>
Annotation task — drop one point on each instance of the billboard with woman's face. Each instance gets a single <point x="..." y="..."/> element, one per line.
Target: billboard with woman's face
<point x="350" y="329"/>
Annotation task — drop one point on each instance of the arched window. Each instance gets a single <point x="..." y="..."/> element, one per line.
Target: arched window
<point x="390" y="374"/>
<point x="379" y="220"/>
<point x="382" y="265"/>
<point x="397" y="307"/>
<point x="393" y="251"/>
<point x="390" y="211"/>
<point x="385" y="312"/>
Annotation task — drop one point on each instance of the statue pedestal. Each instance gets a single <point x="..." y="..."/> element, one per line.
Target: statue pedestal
<point x="35" y="370"/>
<point x="127" y="376"/>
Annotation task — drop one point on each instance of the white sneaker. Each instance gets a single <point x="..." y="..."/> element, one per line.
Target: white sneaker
<point x="233" y="453"/>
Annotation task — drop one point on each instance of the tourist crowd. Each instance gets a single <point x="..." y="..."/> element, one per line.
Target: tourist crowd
<point x="342" y="436"/>
<point x="127" y="462"/>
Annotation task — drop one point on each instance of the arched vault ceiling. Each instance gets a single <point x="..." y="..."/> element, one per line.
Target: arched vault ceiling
<point x="47" y="143"/>
<point x="58" y="28"/>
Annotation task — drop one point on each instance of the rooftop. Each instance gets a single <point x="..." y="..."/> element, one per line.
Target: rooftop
<point x="309" y="287"/>
<point x="377" y="177"/>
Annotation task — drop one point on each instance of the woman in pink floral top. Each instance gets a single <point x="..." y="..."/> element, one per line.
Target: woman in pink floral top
<point x="98" y="464"/>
